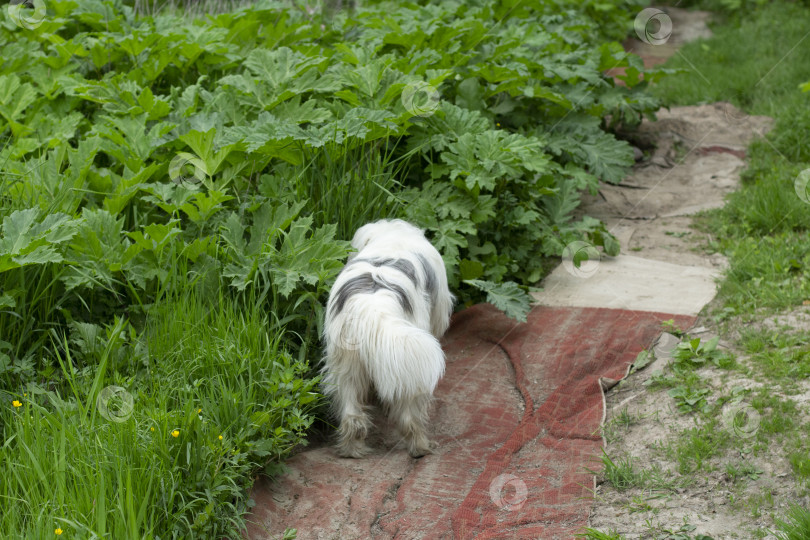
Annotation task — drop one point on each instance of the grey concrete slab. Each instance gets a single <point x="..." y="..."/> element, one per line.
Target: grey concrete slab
<point x="627" y="282"/>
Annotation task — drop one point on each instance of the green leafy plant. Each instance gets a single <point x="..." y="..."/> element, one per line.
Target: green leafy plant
<point x="177" y="195"/>
<point x="689" y="399"/>
<point x="695" y="352"/>
<point x="670" y="327"/>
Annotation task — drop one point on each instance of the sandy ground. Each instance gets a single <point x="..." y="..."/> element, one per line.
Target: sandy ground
<point x="698" y="156"/>
<point x="712" y="502"/>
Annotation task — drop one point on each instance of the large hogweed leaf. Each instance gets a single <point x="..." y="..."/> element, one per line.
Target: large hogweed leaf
<point x="448" y="123"/>
<point x="274" y="76"/>
<point x="27" y="240"/>
<point x="309" y="258"/>
<point x="560" y="206"/>
<point x="126" y="187"/>
<point x="151" y="252"/>
<point x="307" y="112"/>
<point x="201" y="44"/>
<point x="283" y="251"/>
<point x="15" y="97"/>
<point x="281" y="66"/>
<point x="269" y="222"/>
<point x="121" y="95"/>
<point x="367" y="124"/>
<point x="366" y="79"/>
<point x="204" y="206"/>
<point x="604" y="156"/>
<point x="51" y="129"/>
<point x="269" y="136"/>
<point x="129" y="140"/>
<point x="46" y="183"/>
<point x="96" y="252"/>
<point x="210" y="156"/>
<point x="493" y="155"/>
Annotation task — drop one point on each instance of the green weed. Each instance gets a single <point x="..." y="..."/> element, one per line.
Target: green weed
<point x="795" y="525"/>
<point x="623" y="473"/>
<point x="743" y="470"/>
<point x="593" y="534"/>
<point x="800" y="461"/>
<point x="696" y="445"/>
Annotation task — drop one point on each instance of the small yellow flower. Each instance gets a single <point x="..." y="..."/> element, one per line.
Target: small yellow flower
<point x="16" y="403"/>
<point x="176" y="433"/>
<point x="199" y="411"/>
<point x="498" y="124"/>
<point x="151" y="429"/>
<point x="25" y="395"/>
<point x="220" y="437"/>
<point x="58" y="531"/>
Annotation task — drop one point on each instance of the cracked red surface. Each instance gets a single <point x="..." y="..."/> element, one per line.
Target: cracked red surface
<point x="522" y="400"/>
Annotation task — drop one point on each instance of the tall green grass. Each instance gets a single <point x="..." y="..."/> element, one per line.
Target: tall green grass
<point x="796" y="525"/>
<point x="214" y="398"/>
<point x="347" y="186"/>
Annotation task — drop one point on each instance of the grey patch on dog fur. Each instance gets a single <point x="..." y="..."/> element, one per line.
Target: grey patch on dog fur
<point x="431" y="283"/>
<point x="404" y="301"/>
<point x="403" y="265"/>
<point x="368" y="284"/>
<point x="406" y="268"/>
<point x="357" y="285"/>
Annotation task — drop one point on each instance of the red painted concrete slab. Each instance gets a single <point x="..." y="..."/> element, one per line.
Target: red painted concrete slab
<point x="517" y="420"/>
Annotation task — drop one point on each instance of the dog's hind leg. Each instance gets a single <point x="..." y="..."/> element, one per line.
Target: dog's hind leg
<point x="411" y="416"/>
<point x="348" y="396"/>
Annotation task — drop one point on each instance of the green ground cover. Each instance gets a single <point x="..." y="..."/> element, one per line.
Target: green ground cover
<point x="177" y="194"/>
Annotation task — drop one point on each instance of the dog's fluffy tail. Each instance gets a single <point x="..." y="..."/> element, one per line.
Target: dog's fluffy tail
<point x="402" y="360"/>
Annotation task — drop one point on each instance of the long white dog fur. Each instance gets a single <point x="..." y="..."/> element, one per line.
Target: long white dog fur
<point x="385" y="313"/>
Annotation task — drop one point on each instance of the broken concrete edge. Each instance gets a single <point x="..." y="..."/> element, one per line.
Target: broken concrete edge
<point x="606" y="384"/>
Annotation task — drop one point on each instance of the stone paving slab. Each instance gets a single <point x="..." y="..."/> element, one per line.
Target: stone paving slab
<point x="631" y="283"/>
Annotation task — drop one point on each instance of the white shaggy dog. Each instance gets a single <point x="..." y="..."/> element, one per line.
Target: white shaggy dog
<point x="386" y="311"/>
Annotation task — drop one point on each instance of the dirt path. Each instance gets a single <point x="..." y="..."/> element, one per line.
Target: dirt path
<point x="698" y="159"/>
<point x="699" y="154"/>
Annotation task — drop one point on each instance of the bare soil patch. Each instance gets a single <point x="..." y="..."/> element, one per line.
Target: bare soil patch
<point x="713" y="501"/>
